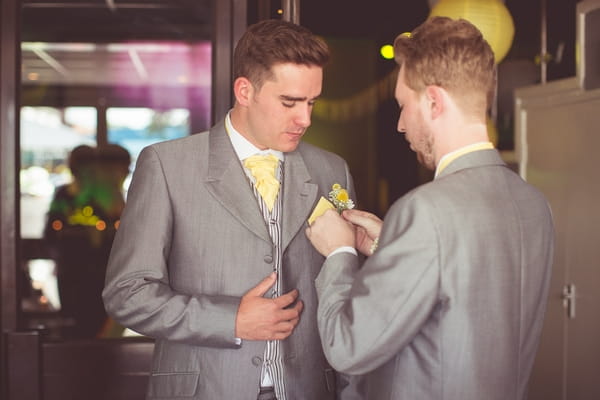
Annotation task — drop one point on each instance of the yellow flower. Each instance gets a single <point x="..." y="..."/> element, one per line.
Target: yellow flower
<point x="342" y="195"/>
<point x="340" y="198"/>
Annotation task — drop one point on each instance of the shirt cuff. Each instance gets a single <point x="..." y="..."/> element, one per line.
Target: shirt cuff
<point x="343" y="249"/>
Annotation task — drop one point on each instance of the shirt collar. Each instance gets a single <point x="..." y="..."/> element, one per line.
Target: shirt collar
<point x="243" y="148"/>
<point x="453" y="155"/>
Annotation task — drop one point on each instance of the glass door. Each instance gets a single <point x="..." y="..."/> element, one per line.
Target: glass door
<point x="109" y="78"/>
<point x="99" y="80"/>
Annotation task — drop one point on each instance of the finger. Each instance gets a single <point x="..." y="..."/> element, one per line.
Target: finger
<point x="290" y="313"/>
<point x="299" y="306"/>
<point x="357" y="213"/>
<point x="361" y="214"/>
<point x="286" y="299"/>
<point x="281" y="335"/>
<point x="328" y="215"/>
<point x="286" y="326"/>
<point x="294" y="322"/>
<point x="263" y="286"/>
<point x="370" y="222"/>
<point x="331" y="213"/>
<point x="358" y="217"/>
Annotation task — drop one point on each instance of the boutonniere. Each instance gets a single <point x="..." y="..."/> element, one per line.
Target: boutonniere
<point x="340" y="198"/>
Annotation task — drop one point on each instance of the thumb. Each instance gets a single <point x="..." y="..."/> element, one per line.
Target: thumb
<point x="362" y="218"/>
<point x="369" y="222"/>
<point x="356" y="216"/>
<point x="263" y="286"/>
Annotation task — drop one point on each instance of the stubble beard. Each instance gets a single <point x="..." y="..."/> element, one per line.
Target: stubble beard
<point x="426" y="157"/>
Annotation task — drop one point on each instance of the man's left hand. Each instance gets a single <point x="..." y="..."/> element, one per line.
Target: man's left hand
<point x="329" y="232"/>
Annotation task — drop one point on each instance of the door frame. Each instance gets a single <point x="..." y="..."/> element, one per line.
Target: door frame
<point x="10" y="79"/>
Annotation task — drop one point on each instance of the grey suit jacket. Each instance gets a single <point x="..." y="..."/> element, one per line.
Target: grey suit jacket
<point x="191" y="242"/>
<point x="450" y="306"/>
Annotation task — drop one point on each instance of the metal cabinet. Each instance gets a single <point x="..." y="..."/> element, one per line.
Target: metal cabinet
<point x="557" y="145"/>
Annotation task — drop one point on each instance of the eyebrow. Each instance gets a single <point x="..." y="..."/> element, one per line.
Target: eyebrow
<point x="292" y="98"/>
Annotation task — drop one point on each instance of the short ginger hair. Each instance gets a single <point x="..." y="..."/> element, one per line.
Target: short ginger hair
<point x="451" y="54"/>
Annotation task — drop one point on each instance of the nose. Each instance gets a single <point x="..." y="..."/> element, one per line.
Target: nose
<point x="303" y="116"/>
<point x="400" y="127"/>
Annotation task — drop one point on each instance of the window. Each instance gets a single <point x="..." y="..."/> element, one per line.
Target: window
<point x="136" y="128"/>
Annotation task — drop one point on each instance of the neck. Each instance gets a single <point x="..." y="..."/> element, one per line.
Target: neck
<point x="459" y="137"/>
<point x="237" y="119"/>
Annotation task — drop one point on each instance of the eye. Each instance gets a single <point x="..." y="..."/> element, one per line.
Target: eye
<point x="288" y="104"/>
<point x="311" y="102"/>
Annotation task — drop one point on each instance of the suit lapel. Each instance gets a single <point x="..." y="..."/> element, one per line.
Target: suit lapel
<point x="227" y="182"/>
<point x="299" y="196"/>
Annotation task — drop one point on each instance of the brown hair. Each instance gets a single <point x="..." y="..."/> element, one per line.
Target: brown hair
<point x="81" y="159"/>
<point x="272" y="42"/>
<point x="451" y="54"/>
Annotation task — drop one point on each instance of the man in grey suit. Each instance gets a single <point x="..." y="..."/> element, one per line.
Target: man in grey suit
<point x="216" y="273"/>
<point x="450" y="302"/>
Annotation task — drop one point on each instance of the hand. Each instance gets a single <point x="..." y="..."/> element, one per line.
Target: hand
<point x="368" y="228"/>
<point x="329" y="232"/>
<point x="260" y="318"/>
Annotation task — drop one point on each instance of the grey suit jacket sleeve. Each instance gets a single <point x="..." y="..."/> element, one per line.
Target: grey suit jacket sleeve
<point x="366" y="315"/>
<point x="138" y="293"/>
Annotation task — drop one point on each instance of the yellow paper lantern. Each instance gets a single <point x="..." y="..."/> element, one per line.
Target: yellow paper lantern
<point x="491" y="17"/>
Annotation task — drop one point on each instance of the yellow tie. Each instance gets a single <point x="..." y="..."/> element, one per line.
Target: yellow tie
<point x="263" y="169"/>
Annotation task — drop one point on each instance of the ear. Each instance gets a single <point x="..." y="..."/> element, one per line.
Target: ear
<point x="242" y="90"/>
<point x="435" y="100"/>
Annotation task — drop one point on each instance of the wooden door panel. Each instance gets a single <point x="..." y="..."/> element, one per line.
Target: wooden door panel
<point x="96" y="369"/>
<point x="109" y="369"/>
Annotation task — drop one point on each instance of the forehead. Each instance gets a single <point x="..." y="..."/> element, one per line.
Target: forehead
<point x="400" y="83"/>
<point x="285" y="71"/>
<point x="402" y="90"/>
<point x="305" y="80"/>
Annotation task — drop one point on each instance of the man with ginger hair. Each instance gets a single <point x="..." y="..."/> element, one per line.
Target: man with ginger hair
<point x="450" y="302"/>
<point x="217" y="270"/>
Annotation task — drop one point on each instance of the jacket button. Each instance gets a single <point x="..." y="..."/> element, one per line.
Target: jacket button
<point x="268" y="259"/>
<point x="256" y="361"/>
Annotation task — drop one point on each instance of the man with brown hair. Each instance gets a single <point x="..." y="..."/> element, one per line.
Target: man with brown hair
<point x="211" y="259"/>
<point x="449" y="304"/>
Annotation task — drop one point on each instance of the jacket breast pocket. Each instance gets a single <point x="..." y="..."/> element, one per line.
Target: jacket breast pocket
<point x="173" y="385"/>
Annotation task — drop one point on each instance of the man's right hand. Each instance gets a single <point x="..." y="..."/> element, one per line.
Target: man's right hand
<point x="368" y="228"/>
<point x="261" y="318"/>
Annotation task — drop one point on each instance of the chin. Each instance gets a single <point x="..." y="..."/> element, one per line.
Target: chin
<point x="289" y="146"/>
